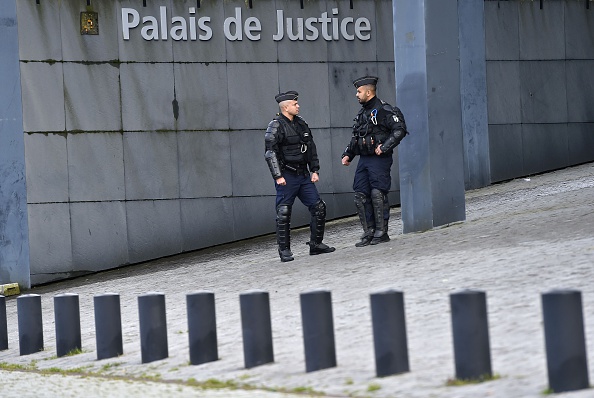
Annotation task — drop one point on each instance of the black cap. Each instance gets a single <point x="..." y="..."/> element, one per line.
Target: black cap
<point x="365" y="80"/>
<point x="289" y="95"/>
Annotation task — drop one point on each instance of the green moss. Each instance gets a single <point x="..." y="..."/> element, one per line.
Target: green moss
<point x="464" y="382"/>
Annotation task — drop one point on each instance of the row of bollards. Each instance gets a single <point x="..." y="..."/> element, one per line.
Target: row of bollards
<point x="562" y="311"/>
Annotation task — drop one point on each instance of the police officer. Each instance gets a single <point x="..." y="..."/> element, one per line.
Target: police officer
<point x="293" y="162"/>
<point x="378" y="128"/>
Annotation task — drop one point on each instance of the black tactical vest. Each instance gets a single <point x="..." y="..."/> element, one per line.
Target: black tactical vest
<point x="295" y="143"/>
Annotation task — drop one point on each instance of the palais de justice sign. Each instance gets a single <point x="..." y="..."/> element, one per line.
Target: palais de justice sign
<point x="192" y="27"/>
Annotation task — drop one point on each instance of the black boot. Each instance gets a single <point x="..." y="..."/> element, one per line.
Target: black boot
<point x="316" y="229"/>
<point x="378" y="200"/>
<point x="363" y="204"/>
<point x="283" y="232"/>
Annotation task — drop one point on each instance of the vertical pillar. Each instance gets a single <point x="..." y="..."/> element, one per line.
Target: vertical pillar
<point x="30" y="324"/>
<point x="153" y="327"/>
<point x="108" y="325"/>
<point x="470" y="329"/>
<point x="473" y="89"/>
<point x="14" y="245"/>
<point x="202" y="327"/>
<point x="318" y="330"/>
<point x="428" y="93"/>
<point x="567" y="363"/>
<point x="256" y="328"/>
<point x="389" y="333"/>
<point x="3" y="325"/>
<point x="67" y="318"/>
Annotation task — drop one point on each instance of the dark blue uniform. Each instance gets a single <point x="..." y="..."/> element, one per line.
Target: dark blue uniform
<point x="376" y="124"/>
<point x="291" y="153"/>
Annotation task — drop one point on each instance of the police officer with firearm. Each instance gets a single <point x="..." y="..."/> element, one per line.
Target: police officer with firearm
<point x="293" y="162"/>
<point x="378" y="128"/>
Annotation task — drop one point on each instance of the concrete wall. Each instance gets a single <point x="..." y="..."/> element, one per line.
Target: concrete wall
<point x="540" y="85"/>
<point x="140" y="149"/>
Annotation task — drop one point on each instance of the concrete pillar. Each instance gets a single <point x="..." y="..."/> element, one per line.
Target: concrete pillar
<point x="14" y="229"/>
<point x="431" y="158"/>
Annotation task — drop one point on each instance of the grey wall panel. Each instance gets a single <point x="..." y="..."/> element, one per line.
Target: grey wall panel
<point x="343" y="103"/>
<point x="101" y="47"/>
<point x="579" y="31"/>
<point x="580" y="90"/>
<point x="342" y="176"/>
<point x="545" y="147"/>
<point x="301" y="50"/>
<point x="311" y="81"/>
<point x="92" y="97"/>
<point x="383" y="28"/>
<point x="205" y="167"/>
<point x="147" y="96"/>
<point x="206" y="222"/>
<point x="543" y="92"/>
<point x="154" y="229"/>
<point x="386" y="89"/>
<point x="136" y="49"/>
<point x="254" y="216"/>
<point x="47" y="168"/>
<point x="506" y="153"/>
<point x="151" y="163"/>
<point x="201" y="49"/>
<point x="252" y="88"/>
<point x="581" y="141"/>
<point x="502" y="39"/>
<point x="353" y="50"/>
<point x="542" y="31"/>
<point x="201" y="93"/>
<point x="242" y="49"/>
<point x="43" y="96"/>
<point x="39" y="29"/>
<point x="49" y="238"/>
<point x="95" y="167"/>
<point x="503" y="91"/>
<point x="99" y="235"/>
<point x="342" y="205"/>
<point x="323" y="140"/>
<point x="251" y="175"/>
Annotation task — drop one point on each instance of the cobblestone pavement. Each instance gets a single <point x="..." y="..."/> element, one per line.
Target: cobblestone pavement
<point x="520" y="239"/>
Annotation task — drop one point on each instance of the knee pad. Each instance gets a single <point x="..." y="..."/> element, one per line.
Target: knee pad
<point x="283" y="212"/>
<point x="319" y="209"/>
<point x="360" y="199"/>
<point x="376" y="194"/>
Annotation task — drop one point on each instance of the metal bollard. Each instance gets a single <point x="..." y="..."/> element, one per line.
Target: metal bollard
<point x="3" y="325"/>
<point x="108" y="325"/>
<point x="565" y="342"/>
<point x="256" y="328"/>
<point x="153" y="327"/>
<point x="67" y="317"/>
<point x="389" y="333"/>
<point x="30" y="324"/>
<point x="202" y="327"/>
<point x="470" y="329"/>
<point x="318" y="330"/>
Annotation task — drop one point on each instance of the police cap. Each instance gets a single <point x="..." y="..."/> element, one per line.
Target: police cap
<point x="365" y="80"/>
<point x="289" y="95"/>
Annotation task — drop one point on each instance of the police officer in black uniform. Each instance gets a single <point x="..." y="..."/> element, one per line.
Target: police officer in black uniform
<point x="293" y="161"/>
<point x="378" y="128"/>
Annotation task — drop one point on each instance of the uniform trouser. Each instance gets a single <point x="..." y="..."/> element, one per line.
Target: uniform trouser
<point x="300" y="186"/>
<point x="373" y="172"/>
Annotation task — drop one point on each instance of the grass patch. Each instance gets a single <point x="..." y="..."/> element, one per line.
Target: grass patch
<point x="73" y="352"/>
<point x="373" y="387"/>
<point x="109" y="366"/>
<point x="465" y="382"/>
<point x="13" y="366"/>
<point x="349" y="382"/>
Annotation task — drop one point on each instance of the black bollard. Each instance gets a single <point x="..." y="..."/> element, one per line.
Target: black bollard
<point x="3" y="325"/>
<point x="202" y="327"/>
<point x="153" y="327"/>
<point x="67" y="317"/>
<point x="30" y="324"/>
<point x="318" y="330"/>
<point x="567" y="363"/>
<point x="108" y="325"/>
<point x="389" y="333"/>
<point x="470" y="329"/>
<point x="256" y="328"/>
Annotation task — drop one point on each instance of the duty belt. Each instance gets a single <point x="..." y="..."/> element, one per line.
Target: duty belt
<point x="296" y="168"/>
